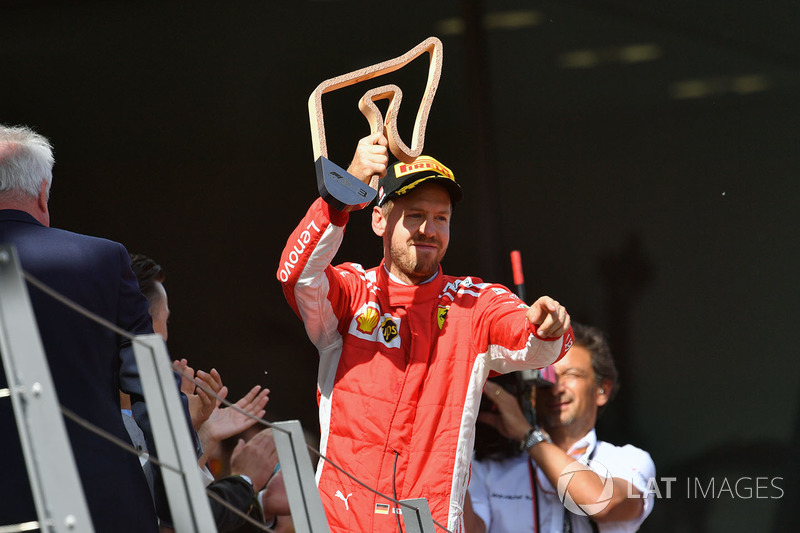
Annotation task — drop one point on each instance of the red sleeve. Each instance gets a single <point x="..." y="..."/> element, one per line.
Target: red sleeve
<point x="511" y="341"/>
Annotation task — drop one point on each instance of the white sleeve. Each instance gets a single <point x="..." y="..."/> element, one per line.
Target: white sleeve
<point x="635" y="466"/>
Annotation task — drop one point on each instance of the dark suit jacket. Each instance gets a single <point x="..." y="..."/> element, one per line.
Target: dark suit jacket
<point x="89" y="365"/>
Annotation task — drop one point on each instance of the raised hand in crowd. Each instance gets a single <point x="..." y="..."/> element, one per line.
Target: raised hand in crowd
<point x="255" y="458"/>
<point x="226" y="422"/>
<point x="203" y="389"/>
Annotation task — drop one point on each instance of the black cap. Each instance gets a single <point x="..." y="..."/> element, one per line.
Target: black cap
<point x="402" y="177"/>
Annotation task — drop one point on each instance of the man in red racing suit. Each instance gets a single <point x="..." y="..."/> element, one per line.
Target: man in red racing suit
<point x="404" y="349"/>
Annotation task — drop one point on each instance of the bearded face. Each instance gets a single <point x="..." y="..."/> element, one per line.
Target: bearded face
<point x="416" y="232"/>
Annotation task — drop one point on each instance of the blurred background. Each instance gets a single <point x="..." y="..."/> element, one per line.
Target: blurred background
<point x="642" y="155"/>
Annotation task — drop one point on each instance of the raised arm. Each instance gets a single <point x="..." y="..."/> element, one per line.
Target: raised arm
<point x="310" y="283"/>
<point x="519" y="337"/>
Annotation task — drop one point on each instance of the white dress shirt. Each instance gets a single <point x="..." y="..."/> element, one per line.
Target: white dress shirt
<point x="502" y="495"/>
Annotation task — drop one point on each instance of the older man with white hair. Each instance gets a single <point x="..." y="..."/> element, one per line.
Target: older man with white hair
<point x="89" y="363"/>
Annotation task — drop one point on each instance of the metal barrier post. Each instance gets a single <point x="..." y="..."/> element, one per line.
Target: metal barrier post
<point x="60" y="506"/>
<point x="419" y="520"/>
<point x="305" y="503"/>
<point x="186" y="493"/>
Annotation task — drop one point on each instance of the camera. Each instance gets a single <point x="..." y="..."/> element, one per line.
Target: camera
<point x="489" y="443"/>
<point x="541" y="377"/>
<point x="519" y="384"/>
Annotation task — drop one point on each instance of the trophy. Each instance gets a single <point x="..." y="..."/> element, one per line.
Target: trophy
<point x="336" y="186"/>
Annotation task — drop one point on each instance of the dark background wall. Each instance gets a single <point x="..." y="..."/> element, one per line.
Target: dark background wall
<point x="652" y="189"/>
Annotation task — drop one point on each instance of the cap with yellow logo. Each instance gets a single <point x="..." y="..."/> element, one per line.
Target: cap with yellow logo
<point x="401" y="177"/>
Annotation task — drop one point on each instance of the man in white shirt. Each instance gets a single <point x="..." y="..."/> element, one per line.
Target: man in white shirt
<point x="544" y="485"/>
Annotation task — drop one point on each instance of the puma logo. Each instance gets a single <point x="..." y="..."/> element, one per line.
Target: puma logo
<point x="341" y="497"/>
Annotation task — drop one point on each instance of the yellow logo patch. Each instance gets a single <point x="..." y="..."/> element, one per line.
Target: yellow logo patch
<point x="368" y="320"/>
<point x="422" y="163"/>
<point x="388" y="330"/>
<point x="441" y="314"/>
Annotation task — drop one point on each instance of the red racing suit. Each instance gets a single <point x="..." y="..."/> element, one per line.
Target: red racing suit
<point x="401" y="372"/>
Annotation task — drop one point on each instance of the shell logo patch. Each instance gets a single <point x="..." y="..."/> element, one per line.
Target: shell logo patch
<point x="368" y="320"/>
<point x="370" y="324"/>
<point x="388" y="330"/>
<point x="441" y="314"/>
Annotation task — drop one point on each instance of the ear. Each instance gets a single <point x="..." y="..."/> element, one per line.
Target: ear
<point x="378" y="221"/>
<point x="42" y="199"/>
<point x="41" y="204"/>
<point x="603" y="393"/>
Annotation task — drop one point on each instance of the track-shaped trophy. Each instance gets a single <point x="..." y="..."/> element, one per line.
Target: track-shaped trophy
<point x="339" y="188"/>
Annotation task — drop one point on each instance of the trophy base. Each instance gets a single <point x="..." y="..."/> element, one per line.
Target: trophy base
<point x="340" y="189"/>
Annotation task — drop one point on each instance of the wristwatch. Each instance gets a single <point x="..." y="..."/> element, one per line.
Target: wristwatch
<point x="534" y="437"/>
